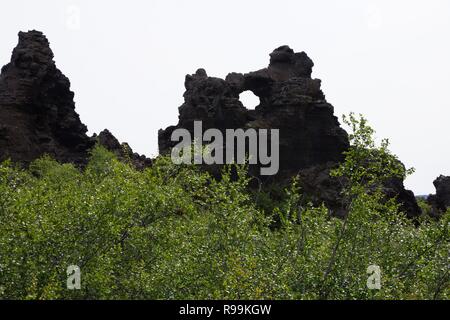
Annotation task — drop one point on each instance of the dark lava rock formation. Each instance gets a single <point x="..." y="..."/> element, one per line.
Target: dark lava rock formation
<point x="311" y="139"/>
<point x="122" y="151"/>
<point x="37" y="117"/>
<point x="440" y="201"/>
<point x="290" y="101"/>
<point x="37" y="110"/>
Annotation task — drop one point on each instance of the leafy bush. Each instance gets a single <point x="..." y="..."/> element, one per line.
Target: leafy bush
<point x="174" y="232"/>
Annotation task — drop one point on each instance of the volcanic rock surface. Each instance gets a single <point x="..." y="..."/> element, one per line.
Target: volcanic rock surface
<point x="311" y="139"/>
<point x="440" y="201"/>
<point x="37" y="110"/>
<point x="290" y="101"/>
<point x="122" y="150"/>
<point x="37" y="117"/>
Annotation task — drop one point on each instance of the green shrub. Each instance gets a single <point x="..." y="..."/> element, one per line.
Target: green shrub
<point x="174" y="232"/>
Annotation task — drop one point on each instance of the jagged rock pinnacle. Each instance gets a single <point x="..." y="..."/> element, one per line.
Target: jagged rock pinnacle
<point x="37" y="109"/>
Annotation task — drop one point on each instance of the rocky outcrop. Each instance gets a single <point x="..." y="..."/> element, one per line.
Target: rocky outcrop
<point x="311" y="139"/>
<point x="122" y="151"/>
<point x="395" y="188"/>
<point x="37" y="110"/>
<point x="290" y="101"/>
<point x="37" y="117"/>
<point x="440" y="201"/>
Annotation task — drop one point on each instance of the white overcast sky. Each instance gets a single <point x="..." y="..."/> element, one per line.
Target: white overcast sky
<point x="389" y="60"/>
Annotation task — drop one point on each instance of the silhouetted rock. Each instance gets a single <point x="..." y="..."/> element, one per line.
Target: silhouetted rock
<point x="122" y="151"/>
<point x="395" y="188"/>
<point x="290" y="101"/>
<point x="37" y="110"/>
<point x="37" y="117"/>
<point x="440" y="201"/>
<point x="311" y="139"/>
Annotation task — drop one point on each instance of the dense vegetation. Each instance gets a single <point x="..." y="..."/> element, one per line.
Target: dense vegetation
<point x="173" y="232"/>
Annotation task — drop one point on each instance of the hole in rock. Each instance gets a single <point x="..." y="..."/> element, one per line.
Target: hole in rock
<point x="249" y="99"/>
